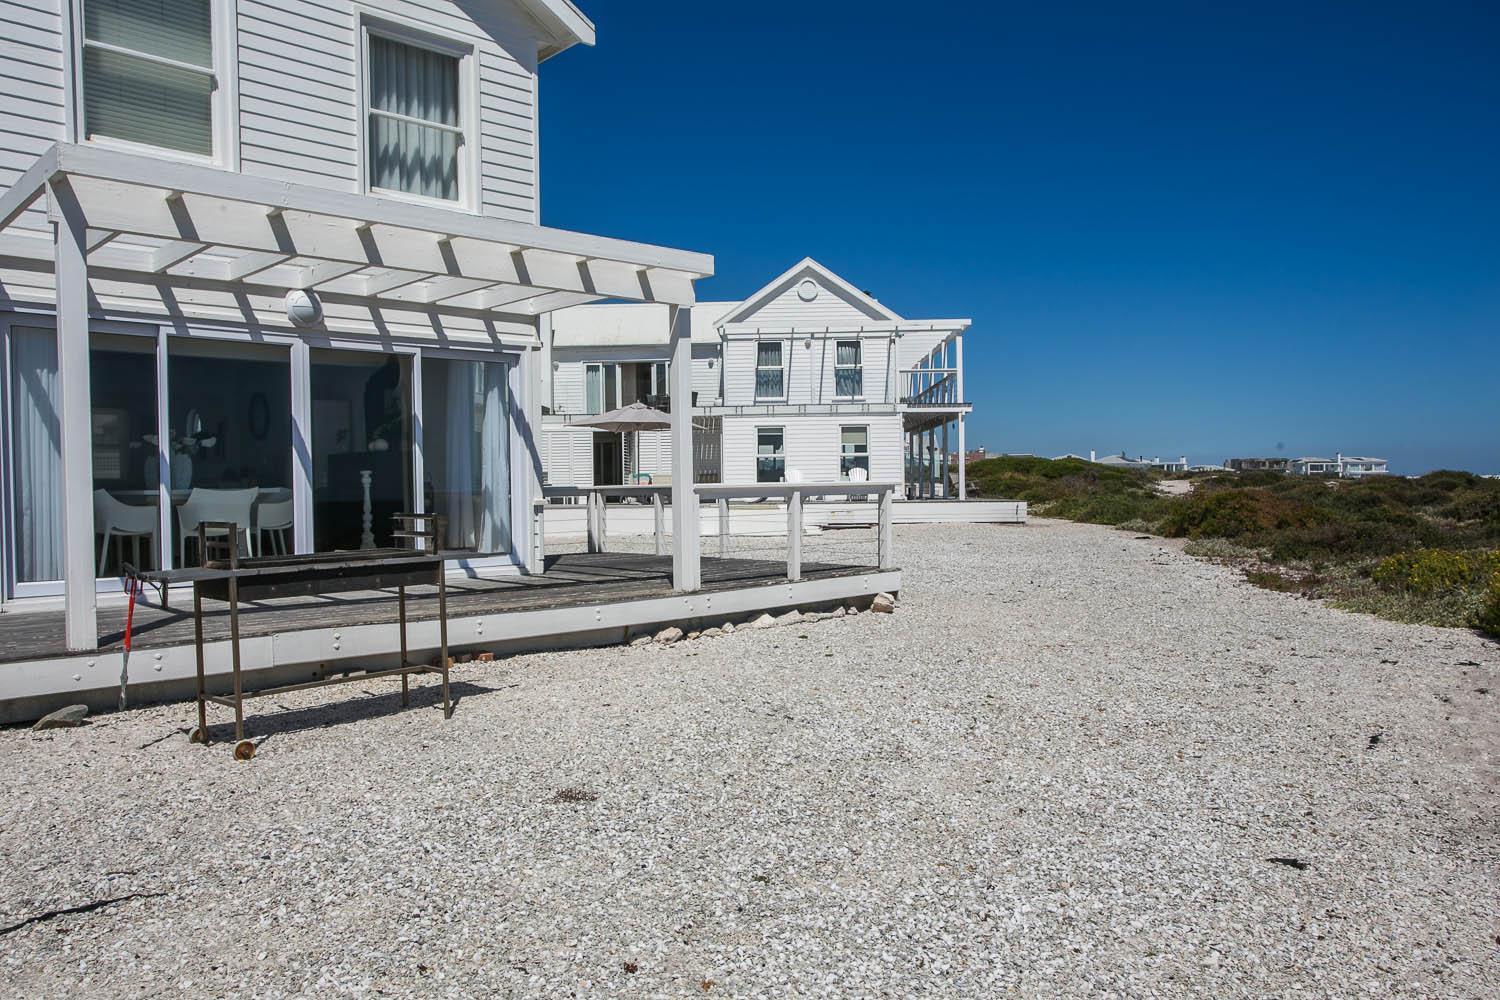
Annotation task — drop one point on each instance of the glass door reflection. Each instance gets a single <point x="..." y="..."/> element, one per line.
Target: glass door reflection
<point x="466" y="451"/>
<point x="361" y="447"/>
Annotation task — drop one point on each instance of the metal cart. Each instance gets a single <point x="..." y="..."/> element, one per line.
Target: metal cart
<point x="224" y="576"/>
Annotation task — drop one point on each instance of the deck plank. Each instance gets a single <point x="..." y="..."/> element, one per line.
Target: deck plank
<point x="571" y="580"/>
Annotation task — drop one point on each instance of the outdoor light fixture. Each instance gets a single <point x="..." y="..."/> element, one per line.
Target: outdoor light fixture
<point x="303" y="310"/>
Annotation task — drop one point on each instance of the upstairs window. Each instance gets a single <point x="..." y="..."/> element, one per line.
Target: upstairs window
<point x="770" y="370"/>
<point x="848" y="370"/>
<point x="770" y="455"/>
<point x="416" y="127"/>
<point x="148" y="73"/>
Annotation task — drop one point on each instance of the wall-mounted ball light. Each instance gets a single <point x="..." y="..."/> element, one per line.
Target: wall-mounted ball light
<point x="303" y="310"/>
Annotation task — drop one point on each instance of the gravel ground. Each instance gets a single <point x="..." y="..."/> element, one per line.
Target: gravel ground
<point x="1063" y="767"/>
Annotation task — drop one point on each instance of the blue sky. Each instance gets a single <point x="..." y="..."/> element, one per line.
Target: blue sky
<point x="1176" y="229"/>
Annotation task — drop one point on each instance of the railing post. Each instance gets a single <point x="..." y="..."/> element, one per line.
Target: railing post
<point x="659" y="516"/>
<point x="539" y="535"/>
<point x="723" y="504"/>
<point x="590" y="523"/>
<point x="794" y="536"/>
<point x="603" y="522"/>
<point x="885" y="556"/>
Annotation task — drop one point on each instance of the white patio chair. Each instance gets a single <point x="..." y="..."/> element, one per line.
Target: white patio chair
<point x="215" y="505"/>
<point x="858" y="475"/>
<point x="274" y="518"/>
<point x="115" y="519"/>
<point x="794" y="475"/>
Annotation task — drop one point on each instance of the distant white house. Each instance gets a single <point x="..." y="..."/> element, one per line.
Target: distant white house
<point x="1179" y="464"/>
<point x="807" y="379"/>
<point x="1341" y="465"/>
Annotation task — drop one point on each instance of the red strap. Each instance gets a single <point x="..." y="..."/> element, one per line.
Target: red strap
<point x="135" y="588"/>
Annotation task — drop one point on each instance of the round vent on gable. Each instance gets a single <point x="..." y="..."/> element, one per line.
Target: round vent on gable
<point x="807" y="289"/>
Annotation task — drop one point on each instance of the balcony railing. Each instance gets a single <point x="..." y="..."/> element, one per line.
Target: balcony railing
<point x="929" y="387"/>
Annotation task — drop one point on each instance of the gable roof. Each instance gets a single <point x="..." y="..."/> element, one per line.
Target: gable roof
<point x="807" y="267"/>
<point x="565" y="23"/>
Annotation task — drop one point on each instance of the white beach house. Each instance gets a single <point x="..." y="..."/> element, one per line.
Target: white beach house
<point x="808" y="379"/>
<point x="281" y="263"/>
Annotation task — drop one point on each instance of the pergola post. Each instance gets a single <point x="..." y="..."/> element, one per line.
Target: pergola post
<point x="963" y="449"/>
<point x="75" y="439"/>
<point x="686" y="568"/>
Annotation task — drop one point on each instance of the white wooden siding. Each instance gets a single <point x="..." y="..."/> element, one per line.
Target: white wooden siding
<point x="917" y="345"/>
<point x="300" y="80"/>
<point x="706" y="375"/>
<point x="810" y="359"/>
<point x="32" y="96"/>
<point x="788" y="309"/>
<point x="812" y="445"/>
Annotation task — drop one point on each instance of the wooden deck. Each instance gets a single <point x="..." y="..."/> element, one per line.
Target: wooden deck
<point x="569" y="581"/>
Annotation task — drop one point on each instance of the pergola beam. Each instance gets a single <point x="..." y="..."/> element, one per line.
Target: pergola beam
<point x="176" y="252"/>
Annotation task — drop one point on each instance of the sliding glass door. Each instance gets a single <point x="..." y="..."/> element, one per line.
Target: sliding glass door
<point x="361" y="447"/>
<point x="466" y="451"/>
<point x="306" y="448"/>
<point x="229" y="418"/>
<point x="123" y="427"/>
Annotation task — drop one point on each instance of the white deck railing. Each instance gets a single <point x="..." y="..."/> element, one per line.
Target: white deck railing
<point x="929" y="387"/>
<point x="795" y="495"/>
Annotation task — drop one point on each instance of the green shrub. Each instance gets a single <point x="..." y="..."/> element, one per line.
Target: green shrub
<point x="1237" y="514"/>
<point x="1431" y="571"/>
<point x="1489" y="611"/>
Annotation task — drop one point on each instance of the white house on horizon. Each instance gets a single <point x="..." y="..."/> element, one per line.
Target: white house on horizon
<point x="1341" y="465"/>
<point x="807" y="379"/>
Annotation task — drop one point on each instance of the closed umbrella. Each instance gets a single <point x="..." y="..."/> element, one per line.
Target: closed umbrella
<point x="629" y="419"/>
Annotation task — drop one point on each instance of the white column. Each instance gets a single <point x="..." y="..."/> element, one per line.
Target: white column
<point x="75" y="439"/>
<point x="944" y="466"/>
<point x="686" y="570"/>
<point x="302" y="477"/>
<point x="963" y="448"/>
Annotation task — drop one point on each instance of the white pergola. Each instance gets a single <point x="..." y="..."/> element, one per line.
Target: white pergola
<point x="127" y="218"/>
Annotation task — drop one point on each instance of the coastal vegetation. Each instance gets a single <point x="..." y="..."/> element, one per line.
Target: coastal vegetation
<point x="1420" y="550"/>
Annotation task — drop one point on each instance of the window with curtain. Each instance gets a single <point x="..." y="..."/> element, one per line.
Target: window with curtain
<point x="770" y="455"/>
<point x="415" y="128"/>
<point x="148" y="72"/>
<point x="770" y="372"/>
<point x="600" y="391"/>
<point x="848" y="370"/>
<point x="854" y="450"/>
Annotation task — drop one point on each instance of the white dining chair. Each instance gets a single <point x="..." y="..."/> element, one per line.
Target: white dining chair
<point x="215" y="505"/>
<point x="115" y="519"/>
<point x="274" y="518"/>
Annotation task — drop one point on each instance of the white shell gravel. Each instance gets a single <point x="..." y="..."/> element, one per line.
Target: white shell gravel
<point x="1060" y="768"/>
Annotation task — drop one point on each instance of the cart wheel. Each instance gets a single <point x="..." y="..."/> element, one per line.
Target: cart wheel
<point x="244" y="750"/>
<point x="197" y="736"/>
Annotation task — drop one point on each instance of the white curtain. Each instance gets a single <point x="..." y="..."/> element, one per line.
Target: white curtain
<point x="474" y="494"/>
<point x="494" y="450"/>
<point x="413" y="83"/>
<point x="35" y="434"/>
<point x="458" y="455"/>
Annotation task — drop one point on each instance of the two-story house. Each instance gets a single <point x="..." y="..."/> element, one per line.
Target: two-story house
<point x="809" y="379"/>
<point x="280" y="264"/>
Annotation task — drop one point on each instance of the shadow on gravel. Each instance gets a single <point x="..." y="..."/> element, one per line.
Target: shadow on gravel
<point x="274" y="720"/>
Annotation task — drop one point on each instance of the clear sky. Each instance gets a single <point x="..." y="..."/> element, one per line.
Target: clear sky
<point x="1176" y="228"/>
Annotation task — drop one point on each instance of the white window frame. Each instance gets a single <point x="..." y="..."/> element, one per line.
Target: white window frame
<point x="786" y="357"/>
<point x="225" y="103"/>
<point x="423" y="37"/>
<point x="843" y="473"/>
<point x="779" y="429"/>
<point x="860" y="345"/>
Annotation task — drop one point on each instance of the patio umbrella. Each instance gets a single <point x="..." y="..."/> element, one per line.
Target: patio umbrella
<point x="628" y="420"/>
